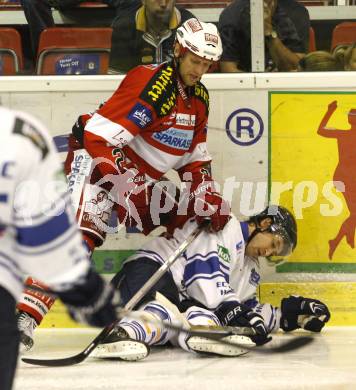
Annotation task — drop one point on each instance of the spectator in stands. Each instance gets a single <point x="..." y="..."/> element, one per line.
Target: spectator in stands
<point x="347" y="54"/>
<point x="286" y="30"/>
<point x="145" y="35"/>
<point x="320" y="61"/>
<point x="38" y="14"/>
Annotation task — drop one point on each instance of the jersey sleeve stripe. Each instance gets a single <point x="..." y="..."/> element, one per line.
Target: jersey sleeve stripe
<point x="44" y="233"/>
<point x="62" y="240"/>
<point x="194" y="314"/>
<point x="3" y="198"/>
<point x="109" y="131"/>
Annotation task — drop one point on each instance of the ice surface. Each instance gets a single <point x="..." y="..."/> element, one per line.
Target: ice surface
<point x="328" y="363"/>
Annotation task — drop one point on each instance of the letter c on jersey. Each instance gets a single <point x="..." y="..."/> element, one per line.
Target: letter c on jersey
<point x="5" y="169"/>
<point x="244" y="127"/>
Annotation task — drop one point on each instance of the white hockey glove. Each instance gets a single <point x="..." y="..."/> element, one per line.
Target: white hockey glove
<point x="91" y="302"/>
<point x="299" y="312"/>
<point x="238" y="314"/>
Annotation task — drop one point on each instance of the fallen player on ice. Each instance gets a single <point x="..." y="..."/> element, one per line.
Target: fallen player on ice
<point x="213" y="283"/>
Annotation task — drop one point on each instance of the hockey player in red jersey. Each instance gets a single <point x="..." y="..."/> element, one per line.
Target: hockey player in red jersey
<point x="154" y="122"/>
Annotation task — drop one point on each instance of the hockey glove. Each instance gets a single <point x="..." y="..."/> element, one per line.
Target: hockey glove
<point x="306" y="313"/>
<point x="213" y="206"/>
<point x="91" y="302"/>
<point x="201" y="197"/>
<point x="132" y="194"/>
<point x="237" y="314"/>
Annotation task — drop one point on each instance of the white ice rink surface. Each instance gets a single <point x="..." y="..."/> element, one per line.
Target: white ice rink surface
<point x="328" y="363"/>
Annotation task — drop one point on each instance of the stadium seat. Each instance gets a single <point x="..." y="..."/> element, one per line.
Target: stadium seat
<point x="312" y="44"/>
<point x="92" y="4"/>
<point x="343" y="33"/>
<point x="73" y="51"/>
<point x="11" y="60"/>
<point x="203" y="3"/>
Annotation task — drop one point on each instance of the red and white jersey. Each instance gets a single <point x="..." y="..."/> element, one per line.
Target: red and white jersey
<point x="38" y="232"/>
<point x="158" y="125"/>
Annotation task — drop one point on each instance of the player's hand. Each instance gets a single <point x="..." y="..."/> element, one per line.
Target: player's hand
<point x="213" y="206"/>
<point x="237" y="314"/>
<point x="92" y="302"/>
<point x="306" y="313"/>
<point x="137" y="187"/>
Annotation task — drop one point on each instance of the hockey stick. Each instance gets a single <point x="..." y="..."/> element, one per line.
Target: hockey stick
<point x="214" y="333"/>
<point x="78" y="358"/>
<point x="217" y="333"/>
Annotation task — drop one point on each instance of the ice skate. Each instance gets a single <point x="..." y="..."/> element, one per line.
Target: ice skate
<point x="26" y="325"/>
<point x="118" y="345"/>
<point x="214" y="347"/>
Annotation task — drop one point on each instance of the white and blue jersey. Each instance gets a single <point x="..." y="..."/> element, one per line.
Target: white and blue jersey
<point x="38" y="232"/>
<point x="214" y="268"/>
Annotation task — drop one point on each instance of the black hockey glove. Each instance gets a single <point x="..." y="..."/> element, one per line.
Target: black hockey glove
<point x="237" y="314"/>
<point x="306" y="313"/>
<point x="91" y="302"/>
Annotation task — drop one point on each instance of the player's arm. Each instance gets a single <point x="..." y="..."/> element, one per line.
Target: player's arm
<point x="285" y="57"/>
<point x="202" y="196"/>
<point x="47" y="242"/>
<point x="294" y="313"/>
<point x="206" y="281"/>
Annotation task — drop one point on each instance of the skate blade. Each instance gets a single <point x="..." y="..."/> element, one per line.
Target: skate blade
<point x="207" y="346"/>
<point x="128" y="350"/>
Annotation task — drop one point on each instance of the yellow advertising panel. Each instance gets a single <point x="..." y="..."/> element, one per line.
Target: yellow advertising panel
<point x="313" y="171"/>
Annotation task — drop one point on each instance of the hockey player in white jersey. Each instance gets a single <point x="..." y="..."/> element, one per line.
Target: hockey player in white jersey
<point x="214" y="283"/>
<point x="39" y="235"/>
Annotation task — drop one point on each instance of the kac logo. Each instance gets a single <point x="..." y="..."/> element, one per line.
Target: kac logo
<point x="244" y="127"/>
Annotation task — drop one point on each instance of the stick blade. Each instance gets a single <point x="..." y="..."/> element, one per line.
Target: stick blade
<point x="69" y="361"/>
<point x="291" y="345"/>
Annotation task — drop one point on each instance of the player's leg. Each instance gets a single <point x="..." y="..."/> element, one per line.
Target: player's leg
<point x="198" y="316"/>
<point x="132" y="337"/>
<point x="31" y="308"/>
<point x="129" y="280"/>
<point x="9" y="340"/>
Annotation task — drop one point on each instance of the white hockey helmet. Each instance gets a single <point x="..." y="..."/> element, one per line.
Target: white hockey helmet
<point x="200" y="38"/>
